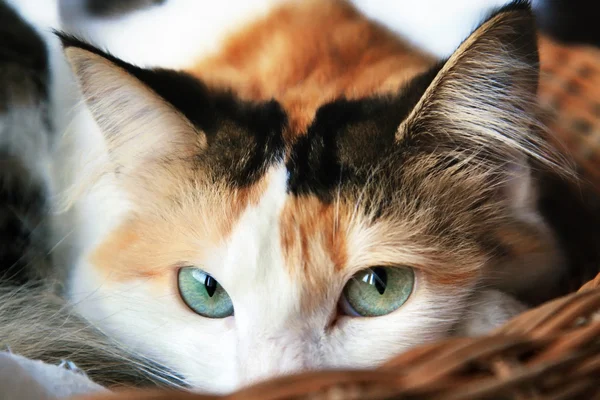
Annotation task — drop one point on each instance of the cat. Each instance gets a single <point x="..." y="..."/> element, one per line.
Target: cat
<point x="312" y="192"/>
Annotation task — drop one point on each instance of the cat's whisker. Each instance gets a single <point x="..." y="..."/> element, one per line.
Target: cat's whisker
<point x="60" y="241"/>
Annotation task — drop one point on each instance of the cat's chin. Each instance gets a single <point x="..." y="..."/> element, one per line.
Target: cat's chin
<point x="489" y="309"/>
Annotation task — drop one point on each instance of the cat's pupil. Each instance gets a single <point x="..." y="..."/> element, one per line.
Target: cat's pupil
<point x="378" y="278"/>
<point x="211" y="285"/>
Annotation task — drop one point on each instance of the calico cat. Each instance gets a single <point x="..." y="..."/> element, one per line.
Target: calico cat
<point x="314" y="193"/>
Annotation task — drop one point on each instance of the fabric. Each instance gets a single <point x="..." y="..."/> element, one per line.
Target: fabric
<point x="25" y="379"/>
<point x="569" y="93"/>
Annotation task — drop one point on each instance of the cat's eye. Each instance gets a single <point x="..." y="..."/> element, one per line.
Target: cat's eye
<point x="203" y="294"/>
<point x="377" y="291"/>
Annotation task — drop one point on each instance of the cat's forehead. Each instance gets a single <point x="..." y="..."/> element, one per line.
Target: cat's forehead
<point x="348" y="142"/>
<point x="245" y="137"/>
<point x="240" y="234"/>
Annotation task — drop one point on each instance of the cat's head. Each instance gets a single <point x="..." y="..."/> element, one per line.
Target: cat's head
<point x="390" y="222"/>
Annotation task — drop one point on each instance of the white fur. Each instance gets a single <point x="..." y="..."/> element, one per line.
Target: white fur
<point x="209" y="353"/>
<point x="81" y="227"/>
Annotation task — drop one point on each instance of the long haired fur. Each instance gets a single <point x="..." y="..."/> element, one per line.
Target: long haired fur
<point x="35" y="321"/>
<point x="38" y="324"/>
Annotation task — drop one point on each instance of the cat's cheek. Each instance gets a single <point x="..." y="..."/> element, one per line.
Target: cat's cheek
<point x="488" y="310"/>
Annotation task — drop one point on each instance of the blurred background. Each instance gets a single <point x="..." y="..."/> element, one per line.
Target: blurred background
<point x="437" y="25"/>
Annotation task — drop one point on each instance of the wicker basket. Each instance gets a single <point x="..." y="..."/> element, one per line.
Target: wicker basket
<point x="550" y="352"/>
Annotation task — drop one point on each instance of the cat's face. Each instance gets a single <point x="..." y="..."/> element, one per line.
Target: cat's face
<point x="242" y="253"/>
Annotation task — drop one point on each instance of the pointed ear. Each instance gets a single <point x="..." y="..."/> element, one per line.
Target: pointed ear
<point x="484" y="95"/>
<point x="138" y="125"/>
<point x="479" y="115"/>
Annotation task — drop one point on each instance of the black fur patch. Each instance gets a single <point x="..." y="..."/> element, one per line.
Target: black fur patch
<point x="347" y="138"/>
<point x="573" y="212"/>
<point x="244" y="138"/>
<point x="569" y="21"/>
<point x="23" y="233"/>
<point x="23" y="200"/>
<point x="21" y="46"/>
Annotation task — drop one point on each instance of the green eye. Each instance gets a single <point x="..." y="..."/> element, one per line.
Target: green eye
<point x="377" y="291"/>
<point x="203" y="294"/>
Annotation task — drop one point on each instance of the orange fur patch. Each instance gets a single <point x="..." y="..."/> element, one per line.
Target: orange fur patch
<point x="455" y="279"/>
<point x="307" y="219"/>
<point x="313" y="240"/>
<point x="160" y="238"/>
<point x="307" y="53"/>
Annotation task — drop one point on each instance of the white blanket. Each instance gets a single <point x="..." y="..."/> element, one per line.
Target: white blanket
<point x="25" y="379"/>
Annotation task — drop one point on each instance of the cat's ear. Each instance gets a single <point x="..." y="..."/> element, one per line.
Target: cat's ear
<point x="479" y="115"/>
<point x="484" y="94"/>
<point x="136" y="122"/>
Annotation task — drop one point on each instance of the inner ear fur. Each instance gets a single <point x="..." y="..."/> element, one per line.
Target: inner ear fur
<point x="137" y="124"/>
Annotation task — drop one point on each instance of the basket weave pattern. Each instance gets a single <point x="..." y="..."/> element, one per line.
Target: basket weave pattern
<point x="569" y="92"/>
